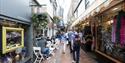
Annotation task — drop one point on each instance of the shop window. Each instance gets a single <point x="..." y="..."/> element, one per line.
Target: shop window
<point x="12" y="38"/>
<point x="111" y="36"/>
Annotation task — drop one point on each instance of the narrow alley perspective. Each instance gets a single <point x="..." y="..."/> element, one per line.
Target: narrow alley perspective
<point x="62" y="31"/>
<point x="59" y="57"/>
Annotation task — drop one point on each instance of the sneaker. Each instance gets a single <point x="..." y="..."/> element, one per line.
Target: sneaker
<point x="48" y="58"/>
<point x="70" y="51"/>
<point x="73" y="61"/>
<point x="63" y="52"/>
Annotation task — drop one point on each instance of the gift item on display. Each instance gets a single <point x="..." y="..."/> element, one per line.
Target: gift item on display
<point x="99" y="38"/>
<point x="17" y="57"/>
<point x="9" y="60"/>
<point x="111" y="40"/>
<point x="18" y="50"/>
<point x="23" y="53"/>
<point x="13" y="38"/>
<point x="4" y="60"/>
<point x="114" y="30"/>
<point x="122" y="32"/>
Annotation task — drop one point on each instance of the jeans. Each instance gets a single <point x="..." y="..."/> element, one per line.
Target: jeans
<point x="46" y="51"/>
<point x="70" y="47"/>
<point x="76" y="52"/>
<point x="64" y="46"/>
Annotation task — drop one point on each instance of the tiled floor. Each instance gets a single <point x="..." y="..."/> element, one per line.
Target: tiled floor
<point x="59" y="57"/>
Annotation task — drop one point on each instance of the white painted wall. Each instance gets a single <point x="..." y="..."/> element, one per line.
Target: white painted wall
<point x="65" y="4"/>
<point x="43" y="9"/>
<point x="49" y="7"/>
<point x="83" y="13"/>
<point x="66" y="9"/>
<point x="81" y="8"/>
<point x="59" y="4"/>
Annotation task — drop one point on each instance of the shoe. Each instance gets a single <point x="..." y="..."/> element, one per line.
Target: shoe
<point x="73" y="61"/>
<point x="63" y="52"/>
<point x="71" y="51"/>
<point x="48" y="58"/>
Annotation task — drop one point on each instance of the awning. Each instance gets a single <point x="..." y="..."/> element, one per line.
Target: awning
<point x="96" y="10"/>
<point x="14" y="20"/>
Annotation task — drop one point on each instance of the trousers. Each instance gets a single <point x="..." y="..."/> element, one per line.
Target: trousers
<point x="76" y="52"/>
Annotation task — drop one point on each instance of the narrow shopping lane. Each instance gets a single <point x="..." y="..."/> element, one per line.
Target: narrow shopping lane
<point x="59" y="57"/>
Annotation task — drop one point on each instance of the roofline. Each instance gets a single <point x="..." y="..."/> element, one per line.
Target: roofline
<point x="37" y="2"/>
<point x="77" y="6"/>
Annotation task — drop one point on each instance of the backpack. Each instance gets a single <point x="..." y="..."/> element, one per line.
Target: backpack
<point x="77" y="40"/>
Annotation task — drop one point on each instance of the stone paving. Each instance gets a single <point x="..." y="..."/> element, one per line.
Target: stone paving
<point x="59" y="57"/>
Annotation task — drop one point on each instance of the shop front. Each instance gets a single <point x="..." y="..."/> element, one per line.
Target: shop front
<point x="110" y="32"/>
<point x="106" y="30"/>
<point x="15" y="40"/>
<point x="16" y="34"/>
<point x="86" y="28"/>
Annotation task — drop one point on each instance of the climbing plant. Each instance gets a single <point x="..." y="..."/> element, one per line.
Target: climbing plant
<point x="56" y="19"/>
<point x="40" y="21"/>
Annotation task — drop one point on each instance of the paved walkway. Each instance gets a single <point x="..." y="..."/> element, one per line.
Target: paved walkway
<point x="59" y="57"/>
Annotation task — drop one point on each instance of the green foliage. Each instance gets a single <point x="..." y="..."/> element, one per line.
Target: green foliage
<point x="39" y="21"/>
<point x="56" y="19"/>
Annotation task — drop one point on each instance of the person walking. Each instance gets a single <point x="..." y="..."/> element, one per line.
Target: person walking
<point x="67" y="38"/>
<point x="76" y="48"/>
<point x="71" y="39"/>
<point x="63" y="41"/>
<point x="58" y="36"/>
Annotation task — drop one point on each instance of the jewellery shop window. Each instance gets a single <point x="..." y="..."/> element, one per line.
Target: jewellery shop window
<point x="111" y="36"/>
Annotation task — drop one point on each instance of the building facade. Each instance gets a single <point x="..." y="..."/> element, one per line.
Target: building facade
<point x="71" y="15"/>
<point x="49" y="7"/>
<point x="103" y="21"/>
<point x="15" y="16"/>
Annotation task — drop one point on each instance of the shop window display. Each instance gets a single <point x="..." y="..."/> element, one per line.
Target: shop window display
<point x="111" y="38"/>
<point x="15" y="42"/>
<point x="88" y="38"/>
<point x="12" y="38"/>
<point x="12" y="41"/>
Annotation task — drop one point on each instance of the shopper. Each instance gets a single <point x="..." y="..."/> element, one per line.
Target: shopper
<point x="58" y="35"/>
<point x="63" y="41"/>
<point x="71" y="37"/>
<point x="67" y="38"/>
<point x="76" y="48"/>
